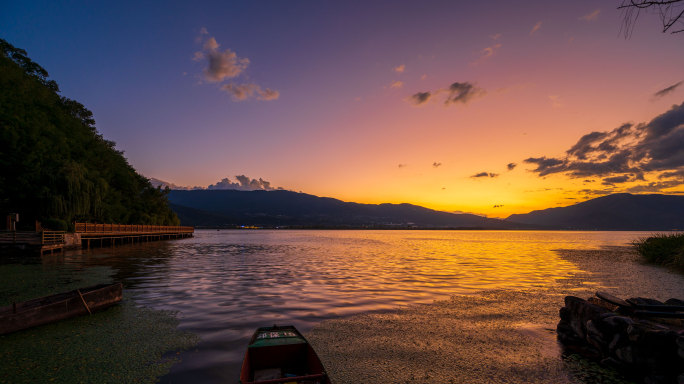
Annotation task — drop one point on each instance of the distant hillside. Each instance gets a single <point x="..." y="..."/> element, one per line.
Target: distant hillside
<point x="231" y="208"/>
<point x="621" y="211"/>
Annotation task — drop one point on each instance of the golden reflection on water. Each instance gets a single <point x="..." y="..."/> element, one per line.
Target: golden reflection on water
<point x="224" y="284"/>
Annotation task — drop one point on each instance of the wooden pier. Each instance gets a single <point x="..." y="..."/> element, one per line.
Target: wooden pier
<point x="92" y="234"/>
<point x="44" y="241"/>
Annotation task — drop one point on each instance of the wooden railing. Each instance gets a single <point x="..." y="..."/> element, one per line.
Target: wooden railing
<point x="52" y="237"/>
<point x="130" y="228"/>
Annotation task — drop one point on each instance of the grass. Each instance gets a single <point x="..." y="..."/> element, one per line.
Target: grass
<point x="663" y="249"/>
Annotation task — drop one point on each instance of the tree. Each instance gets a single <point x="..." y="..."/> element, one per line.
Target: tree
<point x="671" y="14"/>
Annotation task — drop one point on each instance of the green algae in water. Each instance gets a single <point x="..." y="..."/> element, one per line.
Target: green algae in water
<point x="586" y="371"/>
<point x="24" y="282"/>
<point x="122" y="344"/>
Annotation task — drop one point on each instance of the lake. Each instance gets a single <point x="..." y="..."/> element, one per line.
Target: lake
<point x="224" y="284"/>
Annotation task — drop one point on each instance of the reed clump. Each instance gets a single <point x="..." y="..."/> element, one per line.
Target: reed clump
<point x="663" y="249"/>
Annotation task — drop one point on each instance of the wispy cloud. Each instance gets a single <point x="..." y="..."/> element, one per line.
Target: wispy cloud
<point x="397" y="84"/>
<point x="591" y="16"/>
<point x="511" y="166"/>
<point x="436" y="164"/>
<point x="225" y="65"/>
<point x="666" y="91"/>
<point x="402" y="165"/>
<point x="556" y="101"/>
<point x="240" y="92"/>
<point x="536" y="28"/>
<point x="399" y="68"/>
<point x="487" y="53"/>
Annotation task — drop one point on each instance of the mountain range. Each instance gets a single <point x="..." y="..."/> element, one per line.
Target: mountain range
<point x="281" y="208"/>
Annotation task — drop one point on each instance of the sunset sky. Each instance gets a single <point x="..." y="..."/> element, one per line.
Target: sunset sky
<point x="486" y="107"/>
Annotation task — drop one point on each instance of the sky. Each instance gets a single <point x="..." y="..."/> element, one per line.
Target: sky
<point x="490" y="107"/>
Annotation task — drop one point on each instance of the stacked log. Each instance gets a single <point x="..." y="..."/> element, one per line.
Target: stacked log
<point x="647" y="348"/>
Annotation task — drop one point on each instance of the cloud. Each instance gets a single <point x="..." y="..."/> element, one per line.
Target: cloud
<point x="555" y="101"/>
<point x="496" y="36"/>
<point x="488" y="52"/>
<point x="240" y="92"/>
<point x="222" y="65"/>
<point x="497" y="206"/>
<point x="399" y="68"/>
<point x="511" y="166"/>
<point x="456" y="93"/>
<point x="591" y="16"/>
<point x="396" y="84"/>
<point x="227" y="65"/>
<point x="402" y="165"/>
<point x="628" y="153"/>
<point x="243" y="183"/>
<point x="485" y="174"/>
<point x="420" y="98"/>
<point x="462" y="93"/>
<point x="536" y="28"/>
<point x="666" y="91"/>
<point x="436" y="164"/>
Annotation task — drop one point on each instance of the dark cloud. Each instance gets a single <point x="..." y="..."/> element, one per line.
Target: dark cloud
<point x="420" y="98"/>
<point x="497" y="206"/>
<point x="485" y="174"/>
<point x="402" y="165"/>
<point x="626" y="153"/>
<point x="511" y="166"/>
<point x="616" y="180"/>
<point x="666" y="91"/>
<point x="461" y="93"/>
<point x="436" y="164"/>
<point x="456" y="93"/>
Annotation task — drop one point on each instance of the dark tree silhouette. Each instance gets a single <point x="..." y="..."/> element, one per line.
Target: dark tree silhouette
<point x="671" y="14"/>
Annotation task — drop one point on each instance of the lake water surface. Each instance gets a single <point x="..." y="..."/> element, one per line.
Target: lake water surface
<point x="224" y="284"/>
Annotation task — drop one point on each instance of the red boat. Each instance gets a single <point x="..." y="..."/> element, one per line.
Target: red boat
<point x="281" y="355"/>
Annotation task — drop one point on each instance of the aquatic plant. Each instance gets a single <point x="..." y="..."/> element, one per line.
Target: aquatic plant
<point x="664" y="249"/>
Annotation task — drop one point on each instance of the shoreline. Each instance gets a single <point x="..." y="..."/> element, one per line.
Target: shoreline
<point x="494" y="336"/>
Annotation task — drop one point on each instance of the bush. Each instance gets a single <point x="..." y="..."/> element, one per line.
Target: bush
<point x="54" y="224"/>
<point x="664" y="249"/>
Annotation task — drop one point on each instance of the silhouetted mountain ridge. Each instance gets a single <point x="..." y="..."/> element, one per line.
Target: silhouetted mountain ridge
<point x="231" y="208"/>
<point x="621" y="211"/>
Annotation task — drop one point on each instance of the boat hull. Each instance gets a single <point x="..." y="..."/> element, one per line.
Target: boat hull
<point x="58" y="307"/>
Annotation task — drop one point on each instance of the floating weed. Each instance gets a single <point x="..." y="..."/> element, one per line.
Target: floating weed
<point x="123" y="344"/>
<point x="589" y="372"/>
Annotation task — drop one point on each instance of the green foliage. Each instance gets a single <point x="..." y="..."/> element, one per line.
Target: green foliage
<point x="55" y="164"/>
<point x="664" y="249"/>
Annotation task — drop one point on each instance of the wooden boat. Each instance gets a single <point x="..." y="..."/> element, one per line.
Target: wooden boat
<point x="281" y="355"/>
<point x="57" y="307"/>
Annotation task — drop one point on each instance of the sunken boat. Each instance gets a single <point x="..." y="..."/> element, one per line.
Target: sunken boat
<point x="58" y="307"/>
